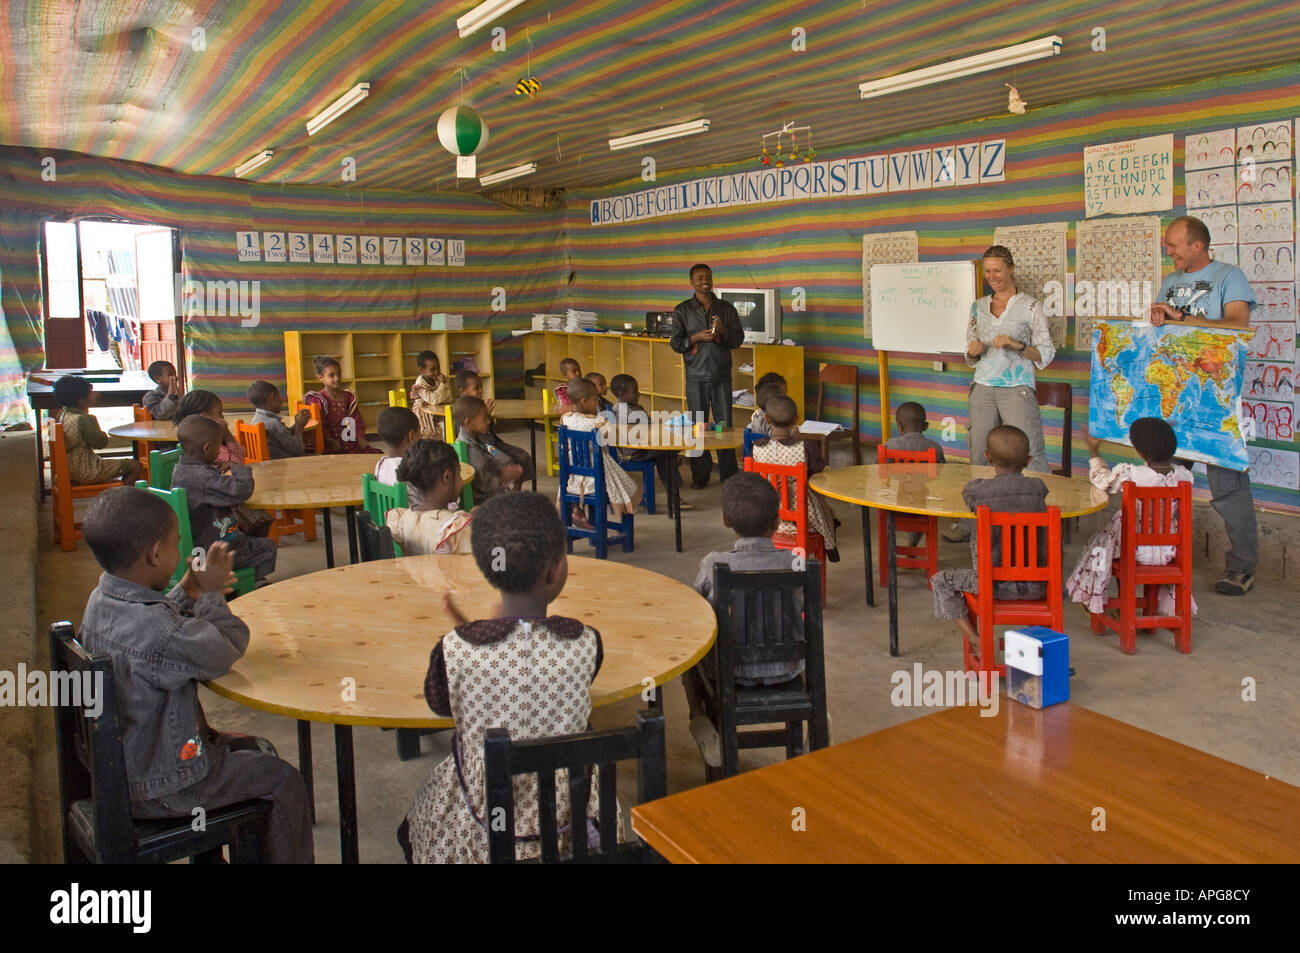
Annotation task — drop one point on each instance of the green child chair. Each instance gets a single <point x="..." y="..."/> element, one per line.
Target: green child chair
<point x="161" y="465"/>
<point x="466" y="491"/>
<point x="244" y="579"/>
<point x="377" y="498"/>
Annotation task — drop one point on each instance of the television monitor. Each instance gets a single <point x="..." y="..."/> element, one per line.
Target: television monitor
<point x="759" y="310"/>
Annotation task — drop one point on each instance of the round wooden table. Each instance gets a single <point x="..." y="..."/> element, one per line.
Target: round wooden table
<point x="530" y="410"/>
<point x="377" y="622"/>
<point x="674" y="440"/>
<point x="930" y="489"/>
<point x="159" y="431"/>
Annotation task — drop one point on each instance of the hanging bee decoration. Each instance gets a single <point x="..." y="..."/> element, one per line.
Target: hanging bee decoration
<point x="528" y="86"/>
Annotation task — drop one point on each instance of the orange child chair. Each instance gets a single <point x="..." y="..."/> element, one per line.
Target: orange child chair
<point x="143" y="447"/>
<point x="252" y="437"/>
<point x="314" y="437"/>
<point x="1021" y="554"/>
<point x="1150" y="517"/>
<point x="794" y="508"/>
<point x="63" y="491"/>
<point x="909" y="557"/>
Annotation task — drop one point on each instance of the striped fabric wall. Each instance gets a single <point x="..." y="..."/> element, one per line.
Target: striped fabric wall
<point x="624" y="270"/>
<point x="521" y="252"/>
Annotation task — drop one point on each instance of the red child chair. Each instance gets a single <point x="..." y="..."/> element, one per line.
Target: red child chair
<point x="252" y="437"/>
<point x="1021" y="554"/>
<point x="796" y="495"/>
<point x="1150" y="517"/>
<point x="909" y="557"/>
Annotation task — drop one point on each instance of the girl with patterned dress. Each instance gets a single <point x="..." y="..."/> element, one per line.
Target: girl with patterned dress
<point x="82" y="436"/>
<point x="785" y="448"/>
<point x="523" y="670"/>
<point x="1156" y="441"/>
<point x="622" y="491"/>
<point x="430" y="394"/>
<point x="341" y="423"/>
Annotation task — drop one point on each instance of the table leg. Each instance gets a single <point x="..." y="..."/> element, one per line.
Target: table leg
<point x="532" y="448"/>
<point x="347" y="794"/>
<point x="866" y="555"/>
<point x="329" y="539"/>
<point x="893" y="583"/>
<point x="674" y="498"/>
<point x="40" y="452"/>
<point x="304" y="765"/>
<point x="350" y="514"/>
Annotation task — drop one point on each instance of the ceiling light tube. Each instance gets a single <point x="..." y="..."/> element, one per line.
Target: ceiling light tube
<point x="484" y="14"/>
<point x="493" y="178"/>
<point x="261" y="159"/>
<point x="980" y="63"/>
<point x="337" y="108"/>
<point x="658" y="135"/>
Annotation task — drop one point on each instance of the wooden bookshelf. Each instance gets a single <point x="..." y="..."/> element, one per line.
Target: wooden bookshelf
<point x="375" y="362"/>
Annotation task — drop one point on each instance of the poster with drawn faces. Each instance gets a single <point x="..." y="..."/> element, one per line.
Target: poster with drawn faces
<point x="1222" y="223"/>
<point x="1207" y="150"/>
<point x="1276" y="301"/>
<point x="1272" y="222"/>
<point x="1224" y="253"/>
<point x="1273" y="341"/>
<point x="1274" y="467"/>
<point x="1211" y="187"/>
<point x="1264" y="142"/>
<point x="1264" y="182"/>
<point x="1271" y="421"/>
<point x="1270" y="382"/>
<point x="1270" y="261"/>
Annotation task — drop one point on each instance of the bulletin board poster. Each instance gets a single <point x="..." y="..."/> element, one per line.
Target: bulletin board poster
<point x="1126" y="178"/>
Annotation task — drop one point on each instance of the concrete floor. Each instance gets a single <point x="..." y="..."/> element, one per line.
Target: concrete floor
<point x="1195" y="699"/>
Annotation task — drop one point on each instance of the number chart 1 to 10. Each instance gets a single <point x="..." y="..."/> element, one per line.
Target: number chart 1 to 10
<point x="330" y="249"/>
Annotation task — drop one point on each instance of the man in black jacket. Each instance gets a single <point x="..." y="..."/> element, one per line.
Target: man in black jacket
<point x="705" y="329"/>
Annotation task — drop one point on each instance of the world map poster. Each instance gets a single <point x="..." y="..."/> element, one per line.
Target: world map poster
<point x="1189" y="376"/>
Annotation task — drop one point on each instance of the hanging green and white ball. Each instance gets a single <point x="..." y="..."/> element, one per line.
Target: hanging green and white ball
<point x="462" y="131"/>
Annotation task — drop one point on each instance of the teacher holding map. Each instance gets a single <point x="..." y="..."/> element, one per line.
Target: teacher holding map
<point x="1211" y="290"/>
<point x="1007" y="338"/>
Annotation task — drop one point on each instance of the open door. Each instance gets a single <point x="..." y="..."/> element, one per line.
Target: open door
<point x="160" y="320"/>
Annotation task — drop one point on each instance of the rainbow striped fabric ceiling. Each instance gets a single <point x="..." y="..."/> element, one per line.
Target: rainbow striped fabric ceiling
<point x="200" y="88"/>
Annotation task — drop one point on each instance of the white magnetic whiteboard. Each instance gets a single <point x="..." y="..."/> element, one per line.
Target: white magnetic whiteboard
<point x="922" y="307"/>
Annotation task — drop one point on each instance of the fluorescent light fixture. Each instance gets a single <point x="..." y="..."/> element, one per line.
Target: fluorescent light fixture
<point x="484" y="14"/>
<point x="337" y="108"/>
<point x="504" y="175"/>
<point x="261" y="159"/>
<point x="980" y="63"/>
<point x="658" y="135"/>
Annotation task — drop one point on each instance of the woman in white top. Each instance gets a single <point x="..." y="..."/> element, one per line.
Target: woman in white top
<point x="1007" y="338"/>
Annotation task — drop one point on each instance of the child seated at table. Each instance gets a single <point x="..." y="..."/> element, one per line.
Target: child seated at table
<point x="494" y="469"/>
<point x="399" y="429"/>
<point x="471" y="385"/>
<point x="1008" y="491"/>
<point x="161" y="401"/>
<point x="204" y="403"/>
<point x="572" y="371"/>
<point x="161" y="648"/>
<point x="786" y="448"/>
<point x="912" y="426"/>
<point x="549" y="661"/>
<point x="432" y="523"/>
<point x="341" y="423"/>
<point x="628" y="413"/>
<point x="766" y="387"/>
<point x="751" y="509"/>
<point x="1157" y="443"/>
<point x="82" y="436"/>
<point x="430" y="394"/>
<point x="622" y="492"/>
<point x="597" y="380"/>
<point x="213" y="495"/>
<point x="281" y="441"/>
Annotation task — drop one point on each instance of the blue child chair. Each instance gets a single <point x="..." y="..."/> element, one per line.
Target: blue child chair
<point x="580" y="456"/>
<point x="647" y="470"/>
<point x="750" y="436"/>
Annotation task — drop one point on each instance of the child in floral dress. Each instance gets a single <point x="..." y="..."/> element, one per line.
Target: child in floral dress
<point x="622" y="491"/>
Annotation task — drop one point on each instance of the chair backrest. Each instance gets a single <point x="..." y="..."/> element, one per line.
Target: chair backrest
<point x="252" y="437"/>
<point x="313" y="439"/>
<point x="398" y="398"/>
<point x="1156" y="516"/>
<point x="449" y="426"/>
<point x="1060" y="395"/>
<point x="580" y="456"/>
<point x="759" y="616"/>
<point x="377" y="497"/>
<point x="575" y="754"/>
<point x="1019" y="547"/>
<point x="791" y="485"/>
<point x="749" y="437"/>
<point x="466" y="491"/>
<point x="139" y="414"/>
<point x="374" y="542"/>
<point x="885" y="455"/>
<point x="161" y="465"/>
<point x="60" y="478"/>
<point x="179" y="502"/>
<point x="91" y="763"/>
<point x="846" y="374"/>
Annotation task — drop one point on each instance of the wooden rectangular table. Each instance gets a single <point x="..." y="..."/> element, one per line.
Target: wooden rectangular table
<point x="954" y="787"/>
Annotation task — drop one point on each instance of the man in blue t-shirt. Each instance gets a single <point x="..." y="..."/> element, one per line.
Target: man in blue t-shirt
<point x="1216" y="291"/>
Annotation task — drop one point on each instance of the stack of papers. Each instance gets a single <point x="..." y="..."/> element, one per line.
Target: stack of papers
<point x="818" y="427"/>
<point x="579" y="320"/>
<point x="447" y="322"/>
<point x="548" y="322"/>
<point x="742" y="398"/>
